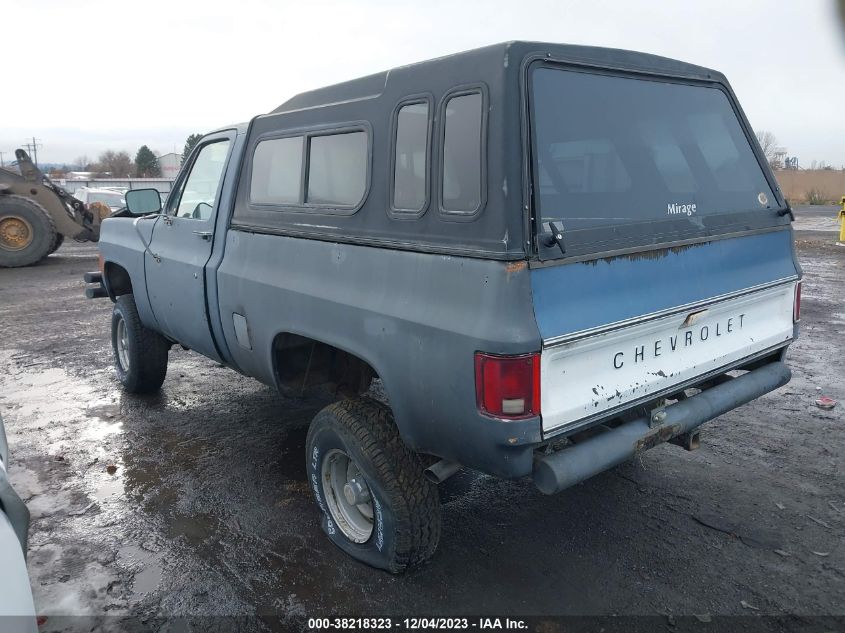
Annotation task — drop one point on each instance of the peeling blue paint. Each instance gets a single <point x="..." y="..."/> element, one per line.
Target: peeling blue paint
<point x="574" y="297"/>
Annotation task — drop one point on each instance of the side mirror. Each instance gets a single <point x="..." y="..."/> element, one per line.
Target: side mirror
<point x="143" y="201"/>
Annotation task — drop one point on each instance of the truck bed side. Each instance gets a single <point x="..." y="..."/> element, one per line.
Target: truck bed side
<point x="416" y="318"/>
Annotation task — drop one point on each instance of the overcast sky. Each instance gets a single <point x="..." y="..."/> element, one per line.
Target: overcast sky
<point x="115" y="75"/>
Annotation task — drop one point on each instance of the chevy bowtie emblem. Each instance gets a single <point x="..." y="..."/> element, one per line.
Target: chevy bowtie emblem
<point x="692" y="317"/>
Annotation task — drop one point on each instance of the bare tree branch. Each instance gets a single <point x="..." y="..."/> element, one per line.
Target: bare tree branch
<point x="771" y="150"/>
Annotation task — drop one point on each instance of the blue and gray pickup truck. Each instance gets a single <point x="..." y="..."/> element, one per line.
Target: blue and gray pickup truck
<point x="550" y="257"/>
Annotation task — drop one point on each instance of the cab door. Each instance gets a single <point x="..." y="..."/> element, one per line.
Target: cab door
<point x="181" y="246"/>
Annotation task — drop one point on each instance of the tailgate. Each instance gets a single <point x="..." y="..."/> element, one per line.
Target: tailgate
<point x="594" y="375"/>
<point x="619" y="330"/>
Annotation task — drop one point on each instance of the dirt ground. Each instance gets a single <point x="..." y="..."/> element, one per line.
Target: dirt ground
<point x="208" y="512"/>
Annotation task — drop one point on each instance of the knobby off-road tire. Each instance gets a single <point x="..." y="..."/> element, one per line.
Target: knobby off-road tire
<point x="405" y="508"/>
<point x="140" y="354"/>
<point x="27" y="232"/>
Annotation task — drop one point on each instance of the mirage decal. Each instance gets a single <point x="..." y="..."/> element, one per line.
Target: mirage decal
<point x="680" y="209"/>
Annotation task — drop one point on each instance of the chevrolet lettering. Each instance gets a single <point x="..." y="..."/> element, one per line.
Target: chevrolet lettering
<point x="680" y="340"/>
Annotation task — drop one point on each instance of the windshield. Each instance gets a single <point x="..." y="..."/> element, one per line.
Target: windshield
<point x="615" y="151"/>
<point x="114" y="200"/>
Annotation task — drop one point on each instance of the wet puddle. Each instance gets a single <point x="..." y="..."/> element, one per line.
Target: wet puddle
<point x="146" y="567"/>
<point x="73" y="421"/>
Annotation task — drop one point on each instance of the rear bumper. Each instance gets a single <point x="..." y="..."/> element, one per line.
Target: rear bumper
<point x="95" y="289"/>
<point x="556" y="471"/>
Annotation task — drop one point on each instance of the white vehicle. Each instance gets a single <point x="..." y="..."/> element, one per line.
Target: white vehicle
<point x="113" y="197"/>
<point x="17" y="611"/>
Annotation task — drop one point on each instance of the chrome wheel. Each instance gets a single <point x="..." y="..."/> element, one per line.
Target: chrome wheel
<point x="347" y="496"/>
<point x="122" y="343"/>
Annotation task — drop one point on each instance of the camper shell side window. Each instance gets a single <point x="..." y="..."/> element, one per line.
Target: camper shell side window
<point x="313" y="171"/>
<point x="462" y="178"/>
<point x="409" y="175"/>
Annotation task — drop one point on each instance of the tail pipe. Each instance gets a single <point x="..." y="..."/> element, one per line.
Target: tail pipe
<point x="440" y="471"/>
<point x="565" y="468"/>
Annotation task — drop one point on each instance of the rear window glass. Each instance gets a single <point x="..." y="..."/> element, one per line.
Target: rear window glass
<point x="461" y="182"/>
<point x="337" y="169"/>
<point x="612" y="150"/>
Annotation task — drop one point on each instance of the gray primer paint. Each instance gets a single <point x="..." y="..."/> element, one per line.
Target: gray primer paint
<point x="416" y="318"/>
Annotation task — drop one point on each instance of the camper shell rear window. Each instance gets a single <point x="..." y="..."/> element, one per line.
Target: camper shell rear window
<point x="622" y="161"/>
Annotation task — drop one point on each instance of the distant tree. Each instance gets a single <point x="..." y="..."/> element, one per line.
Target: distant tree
<point x="771" y="150"/>
<point x="190" y="142"/>
<point x="81" y="163"/>
<point x="146" y="163"/>
<point x="115" y="164"/>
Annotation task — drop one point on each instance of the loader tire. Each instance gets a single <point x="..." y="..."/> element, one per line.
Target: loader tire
<point x="27" y="232"/>
<point x="56" y="243"/>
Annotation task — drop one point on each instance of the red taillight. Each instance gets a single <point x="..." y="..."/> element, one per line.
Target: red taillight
<point x="796" y="306"/>
<point x="508" y="386"/>
<point x="101" y="263"/>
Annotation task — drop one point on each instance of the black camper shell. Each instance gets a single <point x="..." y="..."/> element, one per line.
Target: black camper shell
<point x="501" y="226"/>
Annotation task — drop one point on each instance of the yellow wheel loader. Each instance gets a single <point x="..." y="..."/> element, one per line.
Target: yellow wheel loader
<point x="36" y="215"/>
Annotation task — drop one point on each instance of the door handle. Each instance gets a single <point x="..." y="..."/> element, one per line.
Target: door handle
<point x="206" y="235"/>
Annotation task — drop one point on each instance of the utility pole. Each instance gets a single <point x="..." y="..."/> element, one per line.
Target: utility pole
<point x="33" y="149"/>
<point x="2" y="164"/>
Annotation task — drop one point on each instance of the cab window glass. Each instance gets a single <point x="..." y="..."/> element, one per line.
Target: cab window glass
<point x="197" y="198"/>
<point x="664" y="147"/>
<point x="720" y="153"/>
<point x="588" y="165"/>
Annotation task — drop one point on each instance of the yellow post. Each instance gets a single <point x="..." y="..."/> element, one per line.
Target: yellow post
<point x="842" y="222"/>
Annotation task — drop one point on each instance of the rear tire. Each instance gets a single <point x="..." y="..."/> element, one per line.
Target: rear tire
<point x="397" y="525"/>
<point x="27" y="232"/>
<point x="140" y="354"/>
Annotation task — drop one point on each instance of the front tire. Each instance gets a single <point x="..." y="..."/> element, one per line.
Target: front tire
<point x="140" y="354"/>
<point x="377" y="505"/>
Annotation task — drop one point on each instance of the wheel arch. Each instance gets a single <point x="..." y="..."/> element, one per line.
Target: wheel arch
<point x="116" y="280"/>
<point x="300" y="357"/>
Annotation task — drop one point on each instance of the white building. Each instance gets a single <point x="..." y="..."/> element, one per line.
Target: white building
<point x="170" y="164"/>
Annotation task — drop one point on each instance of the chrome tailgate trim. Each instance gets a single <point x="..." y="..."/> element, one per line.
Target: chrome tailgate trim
<point x="614" y="369"/>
